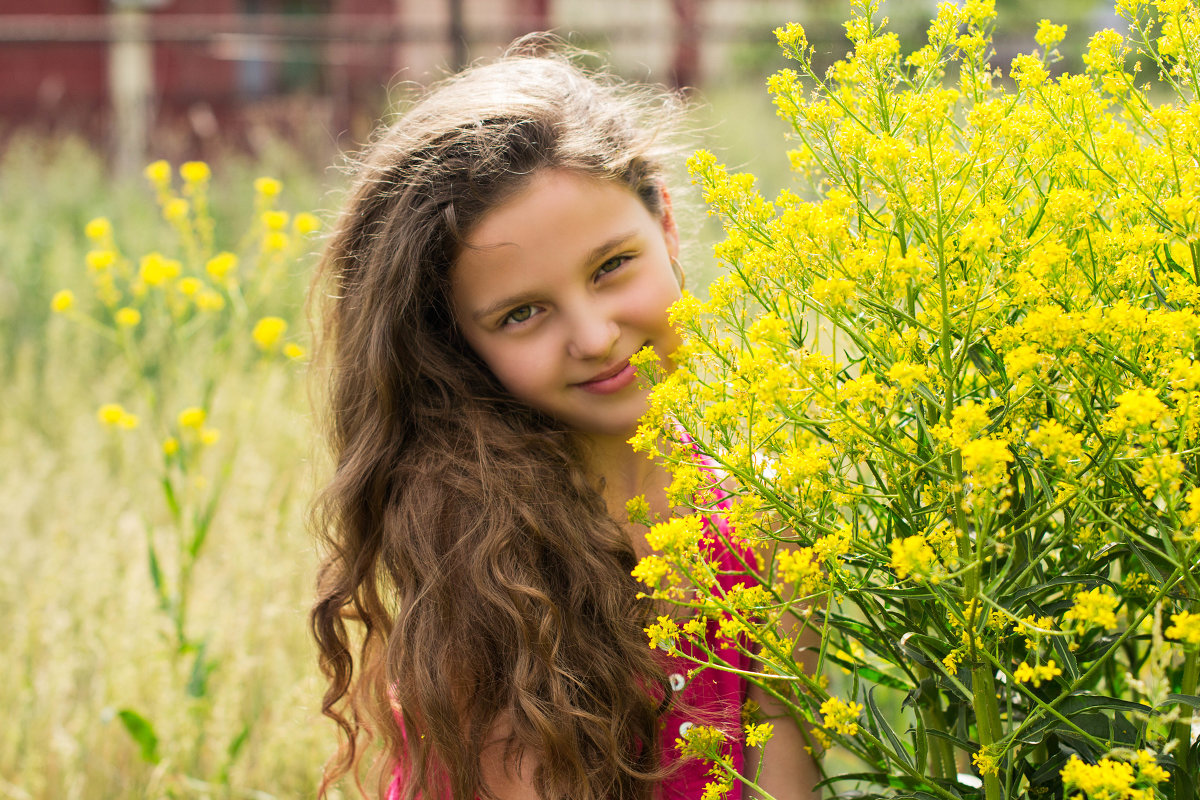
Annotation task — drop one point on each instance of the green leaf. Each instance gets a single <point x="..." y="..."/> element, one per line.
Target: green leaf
<point x="202" y="668"/>
<point x="172" y="500"/>
<point x="156" y="576"/>
<point x="898" y="747"/>
<point x="1181" y="699"/>
<point x="142" y="732"/>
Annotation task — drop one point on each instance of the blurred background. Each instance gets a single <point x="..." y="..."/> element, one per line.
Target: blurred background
<point x="114" y="523"/>
<point x="185" y="78"/>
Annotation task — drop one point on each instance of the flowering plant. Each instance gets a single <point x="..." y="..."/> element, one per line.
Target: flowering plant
<point x="955" y="386"/>
<point x="173" y="324"/>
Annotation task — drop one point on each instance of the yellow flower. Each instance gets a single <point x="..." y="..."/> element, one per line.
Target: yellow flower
<point x="987" y="461"/>
<point x="637" y="509"/>
<point x="1095" y="607"/>
<point x="275" y="241"/>
<point x="128" y="317"/>
<point x="677" y="535"/>
<point x="1036" y="674"/>
<point x="1049" y="35"/>
<point x="170" y="446"/>
<point x="305" y="223"/>
<point x="176" y="209"/>
<point x="98" y="229"/>
<point x="275" y="220"/>
<point x="294" y="351"/>
<point x="651" y="570"/>
<point x="221" y="265"/>
<point x="158" y="173"/>
<point x="985" y="762"/>
<point x="907" y="374"/>
<point x="1028" y="71"/>
<point x="110" y="414"/>
<point x="1107" y="780"/>
<point x="1136" y="408"/>
<point x="208" y="300"/>
<point x="267" y="187"/>
<point x="192" y="417"/>
<point x="841" y="716"/>
<point x="189" y="286"/>
<point x="1185" y="627"/>
<point x="209" y="436"/>
<point x="194" y="171"/>
<point x="156" y="270"/>
<point x="760" y="734"/>
<point x="100" y="260"/>
<point x="663" y="633"/>
<point x="62" y="301"/>
<point x="913" y="556"/>
<point x="268" y="331"/>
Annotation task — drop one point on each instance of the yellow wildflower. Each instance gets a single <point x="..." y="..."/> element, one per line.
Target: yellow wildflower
<point x="192" y="417"/>
<point x="208" y="300"/>
<point x="1049" y="35"/>
<point x="189" y="286"/>
<point x="1106" y="780"/>
<point x="305" y="223"/>
<point x="170" y="446"/>
<point x="760" y="734"/>
<point x="1185" y="626"/>
<point x="62" y="301"/>
<point x="268" y="332"/>
<point x="663" y="633"/>
<point x="275" y="220"/>
<point x="128" y="317"/>
<point x="221" y="265"/>
<point x="1095" y="607"/>
<point x="110" y="414"/>
<point x="985" y="762"/>
<point x="275" y="241"/>
<point x="99" y="260"/>
<point x="98" y="229"/>
<point x="158" y="173"/>
<point x="294" y="351"/>
<point x="209" y="436"/>
<point x="676" y="535"/>
<point x="841" y="716"/>
<point x="1036" y="674"/>
<point x="194" y="171"/>
<point x="176" y="209"/>
<point x="267" y="187"/>
<point x="912" y="556"/>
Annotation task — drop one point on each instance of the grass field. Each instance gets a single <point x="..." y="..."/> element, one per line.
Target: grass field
<point x="85" y="635"/>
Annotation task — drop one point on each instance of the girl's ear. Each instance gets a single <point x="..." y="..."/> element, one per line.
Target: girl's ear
<point x="667" y="220"/>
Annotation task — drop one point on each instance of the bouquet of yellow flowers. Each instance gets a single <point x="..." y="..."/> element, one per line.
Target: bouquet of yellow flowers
<point x="954" y="379"/>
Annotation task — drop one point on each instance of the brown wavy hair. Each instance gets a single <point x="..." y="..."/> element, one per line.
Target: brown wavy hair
<point x="472" y="575"/>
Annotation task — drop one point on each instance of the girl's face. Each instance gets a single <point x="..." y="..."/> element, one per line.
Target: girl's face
<point x="558" y="286"/>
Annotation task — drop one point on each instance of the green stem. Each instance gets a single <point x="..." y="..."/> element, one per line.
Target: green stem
<point x="1185" y="780"/>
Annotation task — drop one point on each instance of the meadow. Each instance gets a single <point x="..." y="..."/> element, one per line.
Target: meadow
<point x="87" y="633"/>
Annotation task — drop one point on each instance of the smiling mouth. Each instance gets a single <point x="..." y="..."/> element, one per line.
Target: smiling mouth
<point x="603" y="376"/>
<point x="610" y="381"/>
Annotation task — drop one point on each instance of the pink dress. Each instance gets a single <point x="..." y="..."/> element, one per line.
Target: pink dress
<point x="718" y="694"/>
<point x="715" y="695"/>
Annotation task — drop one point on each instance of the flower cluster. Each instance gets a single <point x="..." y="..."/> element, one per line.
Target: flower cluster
<point x="965" y="345"/>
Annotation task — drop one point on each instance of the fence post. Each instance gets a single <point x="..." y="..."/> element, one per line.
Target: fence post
<point x="130" y="86"/>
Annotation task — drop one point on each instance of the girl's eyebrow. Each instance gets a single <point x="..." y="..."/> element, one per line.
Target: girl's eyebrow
<point x="516" y="300"/>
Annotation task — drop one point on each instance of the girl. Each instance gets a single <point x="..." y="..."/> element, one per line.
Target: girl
<point x="507" y="246"/>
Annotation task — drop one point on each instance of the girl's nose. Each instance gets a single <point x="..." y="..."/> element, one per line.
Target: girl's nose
<point x="592" y="336"/>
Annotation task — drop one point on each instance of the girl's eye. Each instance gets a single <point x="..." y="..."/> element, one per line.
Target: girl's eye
<point x="518" y="315"/>
<point x="611" y="265"/>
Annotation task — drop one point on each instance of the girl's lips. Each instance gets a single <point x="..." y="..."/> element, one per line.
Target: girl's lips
<point x="613" y="382"/>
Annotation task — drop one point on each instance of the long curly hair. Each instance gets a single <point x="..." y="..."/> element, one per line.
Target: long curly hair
<point x="472" y="579"/>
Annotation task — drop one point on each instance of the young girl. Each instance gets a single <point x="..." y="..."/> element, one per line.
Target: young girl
<point x="507" y="246"/>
